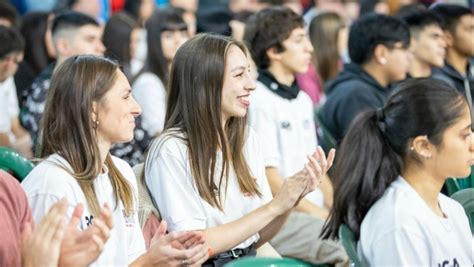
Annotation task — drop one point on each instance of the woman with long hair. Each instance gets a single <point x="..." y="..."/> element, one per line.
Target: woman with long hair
<point x="89" y="108"/>
<point x="387" y="184"/>
<point x="209" y="164"/>
<point x="166" y="32"/>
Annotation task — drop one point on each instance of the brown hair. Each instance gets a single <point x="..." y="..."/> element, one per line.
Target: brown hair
<point x="194" y="108"/>
<point x="323" y="31"/>
<point x="69" y="131"/>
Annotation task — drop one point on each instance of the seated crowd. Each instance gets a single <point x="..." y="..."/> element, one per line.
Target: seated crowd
<point x="162" y="138"/>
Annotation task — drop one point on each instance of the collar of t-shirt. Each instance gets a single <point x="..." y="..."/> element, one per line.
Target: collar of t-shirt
<point x="287" y="92"/>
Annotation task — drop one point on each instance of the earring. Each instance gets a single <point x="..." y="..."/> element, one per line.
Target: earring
<point x="412" y="148"/>
<point x="95" y="124"/>
<point x="383" y="61"/>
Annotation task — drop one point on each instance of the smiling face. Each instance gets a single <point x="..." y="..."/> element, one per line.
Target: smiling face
<point x="116" y="113"/>
<point x="238" y="83"/>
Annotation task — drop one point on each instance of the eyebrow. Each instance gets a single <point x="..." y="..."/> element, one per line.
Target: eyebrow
<point x="238" y="68"/>
<point x="467" y="127"/>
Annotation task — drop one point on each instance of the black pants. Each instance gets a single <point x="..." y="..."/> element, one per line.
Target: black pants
<point x="219" y="262"/>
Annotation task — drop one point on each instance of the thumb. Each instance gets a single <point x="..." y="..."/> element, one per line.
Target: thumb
<point x="160" y="232"/>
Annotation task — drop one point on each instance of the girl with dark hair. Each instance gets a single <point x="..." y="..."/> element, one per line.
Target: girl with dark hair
<point x="89" y="108"/>
<point x="387" y="185"/>
<point x="39" y="49"/>
<point x="166" y="32"/>
<point x="208" y="163"/>
<point x="120" y="39"/>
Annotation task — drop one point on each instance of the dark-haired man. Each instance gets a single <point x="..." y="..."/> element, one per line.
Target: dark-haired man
<point x="74" y="34"/>
<point x="458" y="70"/>
<point x="378" y="48"/>
<point x="282" y="116"/>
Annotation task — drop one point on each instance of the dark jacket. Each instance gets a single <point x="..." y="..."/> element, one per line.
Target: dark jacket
<point x="463" y="84"/>
<point x="352" y="92"/>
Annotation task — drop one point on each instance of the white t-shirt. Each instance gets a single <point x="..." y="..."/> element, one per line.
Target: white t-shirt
<point x="150" y="94"/>
<point x="401" y="230"/>
<point x="168" y="177"/>
<point x="48" y="183"/>
<point x="8" y="105"/>
<point x="286" y="130"/>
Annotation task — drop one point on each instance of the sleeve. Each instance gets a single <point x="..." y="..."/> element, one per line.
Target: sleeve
<point x="400" y="247"/>
<point x="257" y="166"/>
<point x="151" y="96"/>
<point x="267" y="133"/>
<point x="13" y="108"/>
<point x="171" y="186"/>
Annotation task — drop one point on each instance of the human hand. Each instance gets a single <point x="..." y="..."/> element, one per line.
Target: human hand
<point x="41" y="246"/>
<point x="316" y="168"/>
<point x="81" y="248"/>
<point x="177" y="248"/>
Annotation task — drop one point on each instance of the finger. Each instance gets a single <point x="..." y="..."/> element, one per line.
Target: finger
<point x="331" y="156"/>
<point x="162" y="227"/>
<point x="194" y="238"/>
<point x="322" y="158"/>
<point x="100" y="229"/>
<point x="76" y="215"/>
<point x="197" y="254"/>
<point x="48" y="225"/>
<point x="99" y="242"/>
<point x="106" y="216"/>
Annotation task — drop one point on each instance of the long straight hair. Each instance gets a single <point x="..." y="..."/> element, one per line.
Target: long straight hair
<point x="377" y="143"/>
<point x="194" y="108"/>
<point x="69" y="131"/>
<point x="324" y="32"/>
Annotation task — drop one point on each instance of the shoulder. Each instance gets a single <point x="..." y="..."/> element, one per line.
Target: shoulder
<point x="124" y="168"/>
<point x="50" y="176"/>
<point x="9" y="186"/>
<point x="170" y="142"/>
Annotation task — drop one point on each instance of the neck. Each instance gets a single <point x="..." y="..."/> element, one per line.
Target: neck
<point x="419" y="69"/>
<point x="104" y="148"/>
<point x="59" y="60"/>
<point x="282" y="74"/>
<point x="427" y="185"/>
<point x="458" y="61"/>
<point x="373" y="69"/>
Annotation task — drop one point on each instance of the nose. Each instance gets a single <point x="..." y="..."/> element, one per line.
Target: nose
<point x="136" y="110"/>
<point x="250" y="84"/>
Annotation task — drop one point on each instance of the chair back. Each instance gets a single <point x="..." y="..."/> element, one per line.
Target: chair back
<point x="349" y="243"/>
<point x="466" y="198"/>
<point x="14" y="163"/>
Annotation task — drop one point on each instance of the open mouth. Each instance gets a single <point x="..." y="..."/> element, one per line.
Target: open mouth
<point x="244" y="100"/>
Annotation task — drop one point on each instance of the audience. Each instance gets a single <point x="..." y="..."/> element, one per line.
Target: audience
<point x="12" y="134"/>
<point x="207" y="154"/>
<point x="282" y="117"/>
<point x="427" y="41"/>
<point x="378" y="48"/>
<point x="90" y="107"/>
<point x="387" y="185"/>
<point x="73" y="34"/>
<point x="458" y="70"/>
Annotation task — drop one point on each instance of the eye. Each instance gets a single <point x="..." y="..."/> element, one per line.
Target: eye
<point x="239" y="75"/>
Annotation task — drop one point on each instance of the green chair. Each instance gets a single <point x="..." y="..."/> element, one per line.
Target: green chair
<point x="466" y="198"/>
<point x="455" y="184"/>
<point x="14" y="163"/>
<point x="349" y="243"/>
<point x="271" y="262"/>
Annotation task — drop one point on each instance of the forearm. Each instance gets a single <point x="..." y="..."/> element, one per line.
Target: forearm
<point x="327" y="190"/>
<point x="269" y="231"/>
<point x="4" y="140"/>
<point x="238" y="231"/>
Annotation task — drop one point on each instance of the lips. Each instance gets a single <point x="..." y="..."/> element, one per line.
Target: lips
<point x="244" y="100"/>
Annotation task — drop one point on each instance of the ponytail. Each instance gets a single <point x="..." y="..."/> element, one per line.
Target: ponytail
<point x="366" y="166"/>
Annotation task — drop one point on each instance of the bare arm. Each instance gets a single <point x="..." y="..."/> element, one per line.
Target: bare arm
<point x="276" y="183"/>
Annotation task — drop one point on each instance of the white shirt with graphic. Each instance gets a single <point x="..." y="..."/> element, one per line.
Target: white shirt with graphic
<point x="401" y="230"/>
<point x="49" y="182"/>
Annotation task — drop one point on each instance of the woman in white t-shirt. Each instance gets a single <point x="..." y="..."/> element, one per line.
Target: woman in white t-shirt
<point x="206" y="172"/>
<point x="89" y="108"/>
<point x="394" y="162"/>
